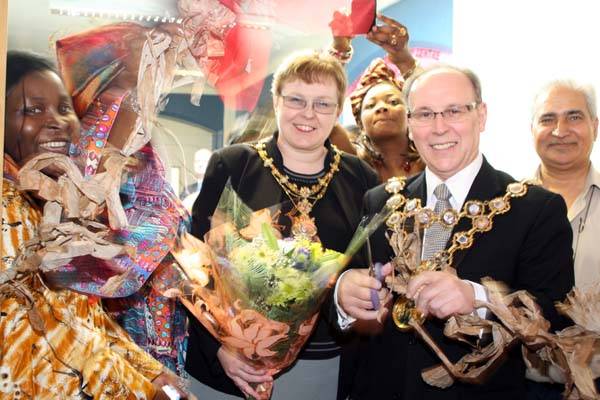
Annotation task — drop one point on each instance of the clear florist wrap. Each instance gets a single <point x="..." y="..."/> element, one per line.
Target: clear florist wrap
<point x="257" y="293"/>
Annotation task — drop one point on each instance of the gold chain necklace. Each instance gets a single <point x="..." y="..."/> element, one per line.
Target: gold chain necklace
<point x="481" y="214"/>
<point x="303" y="197"/>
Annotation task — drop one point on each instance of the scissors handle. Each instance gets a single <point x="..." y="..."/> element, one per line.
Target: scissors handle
<point x="377" y="274"/>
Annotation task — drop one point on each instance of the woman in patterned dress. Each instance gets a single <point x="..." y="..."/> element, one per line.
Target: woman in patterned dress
<point x="54" y="343"/>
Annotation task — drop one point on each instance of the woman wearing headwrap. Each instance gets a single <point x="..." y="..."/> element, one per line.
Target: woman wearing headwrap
<point x="381" y="115"/>
<point x="377" y="102"/>
<point x="54" y="343"/>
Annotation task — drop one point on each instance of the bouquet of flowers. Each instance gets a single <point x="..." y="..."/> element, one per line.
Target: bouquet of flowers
<point x="257" y="293"/>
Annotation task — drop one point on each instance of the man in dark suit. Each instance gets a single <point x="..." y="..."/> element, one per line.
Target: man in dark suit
<point x="527" y="248"/>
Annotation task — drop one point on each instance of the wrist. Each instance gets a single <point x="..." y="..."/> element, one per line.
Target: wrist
<point x="342" y="43"/>
<point x="474" y="292"/>
<point x="406" y="64"/>
<point x="473" y="296"/>
<point x="342" y="56"/>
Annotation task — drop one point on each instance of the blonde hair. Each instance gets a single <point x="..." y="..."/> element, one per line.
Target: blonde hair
<point x="310" y="67"/>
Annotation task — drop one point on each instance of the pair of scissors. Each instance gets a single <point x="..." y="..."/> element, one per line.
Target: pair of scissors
<point x="374" y="271"/>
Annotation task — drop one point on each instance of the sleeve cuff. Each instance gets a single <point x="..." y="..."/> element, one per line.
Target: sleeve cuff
<point x="344" y="320"/>
<point x="481" y="295"/>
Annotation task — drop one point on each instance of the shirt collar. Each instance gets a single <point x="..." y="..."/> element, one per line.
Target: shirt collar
<point x="592" y="179"/>
<point x="458" y="184"/>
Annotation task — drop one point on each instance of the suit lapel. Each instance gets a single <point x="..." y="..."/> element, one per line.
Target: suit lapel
<point x="484" y="187"/>
<point x="417" y="189"/>
<point x="341" y="191"/>
<point x="255" y="176"/>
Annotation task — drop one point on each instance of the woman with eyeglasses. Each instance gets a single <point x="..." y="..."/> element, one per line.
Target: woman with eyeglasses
<point x="308" y="90"/>
<point x="378" y="105"/>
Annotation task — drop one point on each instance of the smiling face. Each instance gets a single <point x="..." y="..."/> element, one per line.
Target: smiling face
<point x="563" y="129"/>
<point x="304" y="129"/>
<point x="39" y="117"/>
<point x="383" y="112"/>
<point x="446" y="148"/>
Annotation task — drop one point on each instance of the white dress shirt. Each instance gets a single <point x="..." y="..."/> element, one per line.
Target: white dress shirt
<point x="459" y="185"/>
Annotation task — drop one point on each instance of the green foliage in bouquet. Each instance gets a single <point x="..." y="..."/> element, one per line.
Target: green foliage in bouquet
<point x="282" y="277"/>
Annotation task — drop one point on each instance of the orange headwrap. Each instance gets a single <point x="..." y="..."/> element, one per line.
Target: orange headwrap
<point x="377" y="72"/>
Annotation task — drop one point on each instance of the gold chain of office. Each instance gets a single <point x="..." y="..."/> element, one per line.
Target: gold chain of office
<point x="303" y="197"/>
<point x="481" y="214"/>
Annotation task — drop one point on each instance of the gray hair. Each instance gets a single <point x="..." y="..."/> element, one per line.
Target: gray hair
<point x="471" y="76"/>
<point x="586" y="90"/>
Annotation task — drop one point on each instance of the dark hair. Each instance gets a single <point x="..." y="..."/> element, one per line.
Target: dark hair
<point x="21" y="63"/>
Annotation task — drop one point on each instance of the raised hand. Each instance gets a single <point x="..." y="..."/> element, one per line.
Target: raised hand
<point x="393" y="37"/>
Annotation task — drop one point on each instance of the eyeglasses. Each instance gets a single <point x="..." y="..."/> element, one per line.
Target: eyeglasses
<point x="450" y="114"/>
<point x="300" y="103"/>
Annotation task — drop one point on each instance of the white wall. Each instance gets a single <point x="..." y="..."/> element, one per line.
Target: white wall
<point x="516" y="46"/>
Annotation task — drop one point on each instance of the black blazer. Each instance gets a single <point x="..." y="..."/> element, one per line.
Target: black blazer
<point x="258" y="189"/>
<point x="528" y="248"/>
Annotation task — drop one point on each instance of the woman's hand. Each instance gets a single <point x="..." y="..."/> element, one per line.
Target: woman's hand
<point x="393" y="37"/>
<point x="241" y="373"/>
<point x="341" y="29"/>
<point x="170" y="379"/>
